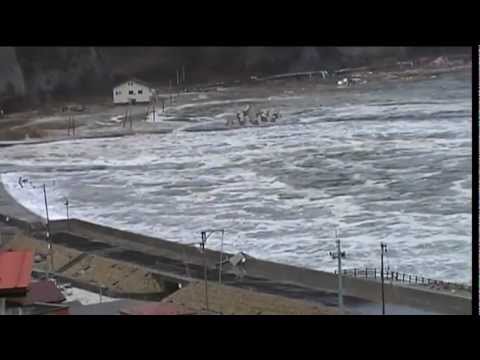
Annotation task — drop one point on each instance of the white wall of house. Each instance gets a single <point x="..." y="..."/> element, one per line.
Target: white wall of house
<point x="131" y="90"/>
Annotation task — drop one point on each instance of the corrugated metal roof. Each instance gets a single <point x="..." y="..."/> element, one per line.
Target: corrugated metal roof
<point x="15" y="271"/>
<point x="44" y="291"/>
<point x="157" y="309"/>
<point x="106" y="308"/>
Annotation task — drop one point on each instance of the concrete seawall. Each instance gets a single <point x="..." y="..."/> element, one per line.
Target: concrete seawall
<point x="370" y="290"/>
<point x="366" y="289"/>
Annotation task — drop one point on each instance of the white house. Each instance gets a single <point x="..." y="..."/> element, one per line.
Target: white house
<point x="132" y="91"/>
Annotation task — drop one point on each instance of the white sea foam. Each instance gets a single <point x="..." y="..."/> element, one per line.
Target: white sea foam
<point x="279" y="193"/>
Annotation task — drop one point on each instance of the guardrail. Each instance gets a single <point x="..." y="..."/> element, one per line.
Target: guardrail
<point x="375" y="274"/>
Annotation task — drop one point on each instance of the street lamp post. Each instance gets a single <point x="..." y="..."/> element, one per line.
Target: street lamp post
<point x="21" y="181"/>
<point x="383" y="248"/>
<point x="47" y="234"/>
<point x="46" y="207"/>
<point x="340" y="285"/>
<point x="339" y="255"/>
<point x="205" y="235"/>
<point x="221" y="260"/>
<point x="68" y="216"/>
<point x="205" y="274"/>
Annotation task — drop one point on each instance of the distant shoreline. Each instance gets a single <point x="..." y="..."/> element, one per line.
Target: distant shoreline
<point x="24" y="127"/>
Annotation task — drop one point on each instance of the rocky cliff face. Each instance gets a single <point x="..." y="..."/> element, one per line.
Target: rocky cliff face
<point x="43" y="72"/>
<point x="11" y="75"/>
<point x="62" y="70"/>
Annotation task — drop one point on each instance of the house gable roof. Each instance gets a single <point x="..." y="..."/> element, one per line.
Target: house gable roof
<point x="138" y="81"/>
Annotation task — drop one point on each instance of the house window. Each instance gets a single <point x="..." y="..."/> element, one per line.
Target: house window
<point x="140" y="92"/>
<point x="130" y="92"/>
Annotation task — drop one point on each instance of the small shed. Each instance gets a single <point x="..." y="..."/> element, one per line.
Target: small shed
<point x="132" y="91"/>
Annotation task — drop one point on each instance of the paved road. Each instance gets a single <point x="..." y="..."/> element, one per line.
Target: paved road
<point x="178" y="269"/>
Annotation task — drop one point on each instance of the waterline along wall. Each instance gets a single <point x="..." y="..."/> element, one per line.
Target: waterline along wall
<point x="370" y="290"/>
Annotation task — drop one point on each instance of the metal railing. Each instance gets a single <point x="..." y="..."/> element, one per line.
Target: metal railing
<point x="395" y="276"/>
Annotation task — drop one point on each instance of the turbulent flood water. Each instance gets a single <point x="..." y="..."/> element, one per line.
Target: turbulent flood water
<point x="385" y="163"/>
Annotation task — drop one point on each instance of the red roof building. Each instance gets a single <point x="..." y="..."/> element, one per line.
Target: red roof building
<point x="44" y="291"/>
<point x="15" y="272"/>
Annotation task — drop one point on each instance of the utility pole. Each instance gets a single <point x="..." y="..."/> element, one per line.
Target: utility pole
<point x="68" y="217"/>
<point x="221" y="260"/>
<point x="339" y="255"/>
<point x="130" y="117"/>
<point x="204" y="240"/>
<point x="48" y="235"/>
<point x="153" y="108"/>
<point x="340" y="285"/>
<point x="383" y="249"/>
<point x="46" y="209"/>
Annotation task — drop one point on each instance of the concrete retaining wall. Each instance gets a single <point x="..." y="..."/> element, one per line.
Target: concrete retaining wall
<point x="167" y="248"/>
<point x="366" y="289"/>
